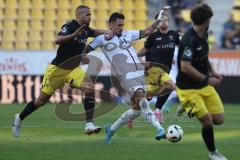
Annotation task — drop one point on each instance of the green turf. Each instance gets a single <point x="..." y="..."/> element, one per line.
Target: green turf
<point x="44" y="137"/>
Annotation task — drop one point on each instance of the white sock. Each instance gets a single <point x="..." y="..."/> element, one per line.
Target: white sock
<point x="148" y="113"/>
<point x="130" y="114"/>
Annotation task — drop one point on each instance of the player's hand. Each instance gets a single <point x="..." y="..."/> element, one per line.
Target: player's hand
<point x="85" y="59"/>
<point x="216" y="75"/>
<point x="163" y="12"/>
<point x="108" y="35"/>
<point x="214" y="81"/>
<point x="80" y="30"/>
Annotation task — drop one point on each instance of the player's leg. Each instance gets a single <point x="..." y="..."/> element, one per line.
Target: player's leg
<point x="216" y="110"/>
<point x="79" y="79"/>
<point x="53" y="79"/>
<point x="172" y="99"/>
<point x="127" y="116"/>
<point x="140" y="100"/>
<point x="214" y="105"/>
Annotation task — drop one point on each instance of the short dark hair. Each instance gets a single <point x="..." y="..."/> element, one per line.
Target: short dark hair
<point x="114" y="16"/>
<point x="82" y="7"/>
<point x="201" y="13"/>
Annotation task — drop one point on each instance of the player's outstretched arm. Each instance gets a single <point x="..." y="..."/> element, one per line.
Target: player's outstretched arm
<point x="149" y="30"/>
<point x="142" y="52"/>
<point x="60" y="39"/>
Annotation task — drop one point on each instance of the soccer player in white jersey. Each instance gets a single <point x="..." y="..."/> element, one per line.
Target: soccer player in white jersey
<point x="127" y="67"/>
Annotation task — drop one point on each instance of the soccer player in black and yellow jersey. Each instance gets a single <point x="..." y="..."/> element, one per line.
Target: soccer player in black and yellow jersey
<point x="196" y="78"/>
<point x="64" y="68"/>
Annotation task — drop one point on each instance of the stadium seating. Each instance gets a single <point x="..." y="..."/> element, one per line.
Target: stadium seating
<point x="33" y="24"/>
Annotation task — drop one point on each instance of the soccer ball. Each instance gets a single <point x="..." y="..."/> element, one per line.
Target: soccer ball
<point x="174" y="133"/>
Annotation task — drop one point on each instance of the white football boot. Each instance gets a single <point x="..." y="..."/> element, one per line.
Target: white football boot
<point x="91" y="128"/>
<point x="216" y="156"/>
<point x="16" y="126"/>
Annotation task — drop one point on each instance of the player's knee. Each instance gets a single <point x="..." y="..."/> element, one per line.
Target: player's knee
<point x="207" y="121"/>
<point x="39" y="102"/>
<point x="218" y="121"/>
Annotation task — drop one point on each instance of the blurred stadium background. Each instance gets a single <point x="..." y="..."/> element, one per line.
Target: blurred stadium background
<point x="27" y="32"/>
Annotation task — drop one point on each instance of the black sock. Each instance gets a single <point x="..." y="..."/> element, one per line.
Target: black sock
<point x="208" y="137"/>
<point x="89" y="105"/>
<point x="27" y="110"/>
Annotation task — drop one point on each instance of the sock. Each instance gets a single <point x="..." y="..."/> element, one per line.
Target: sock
<point x="148" y="113"/>
<point x="30" y="107"/>
<point x="167" y="105"/>
<point x="130" y="114"/>
<point x="89" y="105"/>
<point x="208" y="137"/>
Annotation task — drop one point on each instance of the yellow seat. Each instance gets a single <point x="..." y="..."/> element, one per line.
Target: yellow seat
<point x="37" y="4"/>
<point x="1" y="26"/>
<point x="115" y="6"/>
<point x="23" y="25"/>
<point x="11" y="4"/>
<point x="186" y="15"/>
<point x="63" y="14"/>
<point x="128" y="14"/>
<point x="1" y="15"/>
<point x="236" y="15"/>
<point x="7" y="45"/>
<point x="75" y="3"/>
<point x="101" y="25"/>
<point x="47" y="45"/>
<point x="90" y="3"/>
<point x="9" y="25"/>
<point x="140" y="16"/>
<point x="140" y="5"/>
<point x="140" y="25"/>
<point x="60" y="23"/>
<point x="36" y="25"/>
<point x="22" y="36"/>
<point x="102" y="15"/>
<point x="236" y="3"/>
<point x="35" y="36"/>
<point x="10" y="13"/>
<point x="64" y="4"/>
<point x="103" y="3"/>
<point x="49" y="25"/>
<point x="48" y="36"/>
<point x="2" y="4"/>
<point x="8" y="36"/>
<point x="34" y="45"/>
<point x="128" y="25"/>
<point x="128" y="4"/>
<point x="51" y="4"/>
<point x="24" y="14"/>
<point x="25" y="4"/>
<point x="50" y="14"/>
<point x="139" y="44"/>
<point x="19" y="45"/>
<point x="37" y="14"/>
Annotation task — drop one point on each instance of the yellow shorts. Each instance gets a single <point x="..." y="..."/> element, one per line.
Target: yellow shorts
<point x="56" y="77"/>
<point x="201" y="101"/>
<point x="155" y="79"/>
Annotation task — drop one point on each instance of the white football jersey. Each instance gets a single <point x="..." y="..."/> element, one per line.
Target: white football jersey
<point x="174" y="70"/>
<point x="120" y="52"/>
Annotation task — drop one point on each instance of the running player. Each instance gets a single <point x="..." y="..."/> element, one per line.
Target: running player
<point x="196" y="78"/>
<point x="159" y="51"/>
<point x="65" y="69"/>
<point x="127" y="67"/>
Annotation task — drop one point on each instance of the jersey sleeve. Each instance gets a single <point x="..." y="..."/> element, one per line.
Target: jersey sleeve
<point x="177" y="38"/>
<point x="97" y="42"/>
<point x="66" y="30"/>
<point x="90" y="32"/>
<point x="134" y="34"/>
<point x="148" y="42"/>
